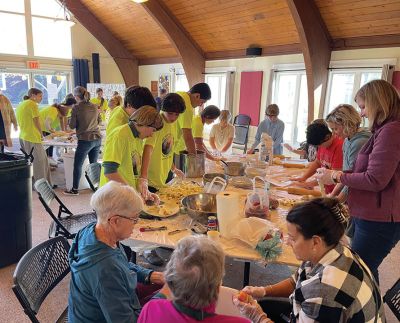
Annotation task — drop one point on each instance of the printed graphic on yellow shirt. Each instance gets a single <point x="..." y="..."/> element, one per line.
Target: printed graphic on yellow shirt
<point x="136" y="163"/>
<point x="167" y="144"/>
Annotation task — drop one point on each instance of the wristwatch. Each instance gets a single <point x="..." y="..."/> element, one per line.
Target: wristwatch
<point x="147" y="279"/>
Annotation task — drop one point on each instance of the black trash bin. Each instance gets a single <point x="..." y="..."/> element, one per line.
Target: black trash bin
<point x="15" y="207"/>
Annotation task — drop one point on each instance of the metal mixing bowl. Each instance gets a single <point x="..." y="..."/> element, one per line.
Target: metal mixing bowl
<point x="234" y="168"/>
<point x="200" y="206"/>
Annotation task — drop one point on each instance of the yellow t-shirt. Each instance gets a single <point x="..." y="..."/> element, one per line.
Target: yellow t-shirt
<point x="184" y="121"/>
<point x="103" y="107"/>
<point x="123" y="148"/>
<point x="198" y="127"/>
<point x="118" y="118"/>
<point x="51" y="113"/>
<point x="162" y="158"/>
<point x="26" y="111"/>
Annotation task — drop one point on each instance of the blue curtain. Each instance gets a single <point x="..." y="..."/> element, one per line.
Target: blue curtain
<point x="81" y="72"/>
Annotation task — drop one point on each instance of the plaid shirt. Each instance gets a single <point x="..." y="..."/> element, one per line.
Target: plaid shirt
<point x="337" y="289"/>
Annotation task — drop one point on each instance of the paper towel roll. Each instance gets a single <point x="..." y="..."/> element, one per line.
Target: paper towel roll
<point x="228" y="211"/>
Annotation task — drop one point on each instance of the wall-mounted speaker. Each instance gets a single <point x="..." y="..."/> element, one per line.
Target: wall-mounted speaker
<point x="253" y="51"/>
<point x="96" y="67"/>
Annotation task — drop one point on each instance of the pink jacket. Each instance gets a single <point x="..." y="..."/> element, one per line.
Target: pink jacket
<point x="374" y="183"/>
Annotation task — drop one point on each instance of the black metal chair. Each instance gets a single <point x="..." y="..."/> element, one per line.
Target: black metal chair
<point x="242" y="125"/>
<point x="392" y="299"/>
<point x="65" y="222"/>
<point x="38" y="272"/>
<point x="92" y="174"/>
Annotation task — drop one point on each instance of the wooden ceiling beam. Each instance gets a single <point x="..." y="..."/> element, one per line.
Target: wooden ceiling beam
<point x="378" y="41"/>
<point x="192" y="57"/>
<point x="126" y="62"/>
<point x="316" y="46"/>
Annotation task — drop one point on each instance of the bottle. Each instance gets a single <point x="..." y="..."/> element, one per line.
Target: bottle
<point x="266" y="149"/>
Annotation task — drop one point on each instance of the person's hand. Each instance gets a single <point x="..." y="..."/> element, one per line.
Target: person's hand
<point x="178" y="173"/>
<point x="143" y="188"/>
<point x="306" y="185"/>
<point x="256" y="292"/>
<point x="250" y="151"/>
<point x="297" y="178"/>
<point x="288" y="147"/>
<point x="153" y="197"/>
<point x="324" y="176"/>
<point x="252" y="311"/>
<point x="157" y="278"/>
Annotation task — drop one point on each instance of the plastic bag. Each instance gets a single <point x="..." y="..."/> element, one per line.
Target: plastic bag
<point x="257" y="202"/>
<point x="251" y="230"/>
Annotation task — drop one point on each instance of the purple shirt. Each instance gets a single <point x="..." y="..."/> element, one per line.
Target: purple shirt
<point x="163" y="311"/>
<point x="374" y="184"/>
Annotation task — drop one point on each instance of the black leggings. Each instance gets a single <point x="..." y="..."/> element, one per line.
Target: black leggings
<point x="278" y="309"/>
<point x="49" y="151"/>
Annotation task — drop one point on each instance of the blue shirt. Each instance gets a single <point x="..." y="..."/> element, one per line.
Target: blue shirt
<point x="273" y="129"/>
<point x="103" y="282"/>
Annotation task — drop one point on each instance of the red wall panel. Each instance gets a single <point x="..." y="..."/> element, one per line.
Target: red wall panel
<point x="250" y="95"/>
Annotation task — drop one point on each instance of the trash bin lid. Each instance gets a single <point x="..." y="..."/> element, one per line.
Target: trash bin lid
<point x="11" y="159"/>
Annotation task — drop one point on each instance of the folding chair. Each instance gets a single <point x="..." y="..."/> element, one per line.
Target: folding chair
<point x="65" y="222"/>
<point x="242" y="125"/>
<point x="392" y="299"/>
<point x="92" y="174"/>
<point x="38" y="272"/>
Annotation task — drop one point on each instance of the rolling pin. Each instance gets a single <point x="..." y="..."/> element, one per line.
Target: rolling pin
<point x="299" y="191"/>
<point x="294" y="165"/>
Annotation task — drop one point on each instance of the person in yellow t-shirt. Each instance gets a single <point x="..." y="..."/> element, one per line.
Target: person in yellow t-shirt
<point x="196" y="96"/>
<point x="115" y="101"/>
<point x="101" y="102"/>
<point x="207" y="116"/>
<point x="123" y="149"/>
<point x="158" y="155"/>
<point x="30" y="135"/>
<point x="135" y="97"/>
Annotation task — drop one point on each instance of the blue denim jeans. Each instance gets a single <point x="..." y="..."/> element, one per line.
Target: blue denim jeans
<point x="85" y="148"/>
<point x="373" y="241"/>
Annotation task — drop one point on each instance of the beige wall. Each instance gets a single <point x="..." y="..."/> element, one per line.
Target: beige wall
<point x="84" y="44"/>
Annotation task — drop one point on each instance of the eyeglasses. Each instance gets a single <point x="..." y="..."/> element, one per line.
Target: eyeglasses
<point x="133" y="220"/>
<point x="271" y="115"/>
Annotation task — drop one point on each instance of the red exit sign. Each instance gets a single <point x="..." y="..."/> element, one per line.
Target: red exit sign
<point x="33" y="64"/>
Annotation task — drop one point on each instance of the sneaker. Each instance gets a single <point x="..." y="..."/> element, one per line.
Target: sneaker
<point x="72" y="191"/>
<point x="52" y="162"/>
<point x="54" y="186"/>
<point x="153" y="258"/>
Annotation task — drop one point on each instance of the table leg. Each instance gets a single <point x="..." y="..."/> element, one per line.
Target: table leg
<point x="246" y="274"/>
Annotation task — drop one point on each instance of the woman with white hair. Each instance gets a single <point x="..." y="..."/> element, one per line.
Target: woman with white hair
<point x="221" y="135"/>
<point x="193" y="275"/>
<point x="104" y="286"/>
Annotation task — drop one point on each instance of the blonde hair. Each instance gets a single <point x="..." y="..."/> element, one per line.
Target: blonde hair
<point x="82" y="93"/>
<point x="147" y="116"/>
<point x="347" y="116"/>
<point x="117" y="100"/>
<point x="225" y="115"/>
<point x="4" y="102"/>
<point x="382" y="101"/>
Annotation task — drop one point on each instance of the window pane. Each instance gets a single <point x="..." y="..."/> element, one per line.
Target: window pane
<point x="302" y="113"/>
<point x="51" y="39"/>
<point x="14" y="86"/>
<point x="214" y="84"/>
<point x="366" y="77"/>
<point x="54" y="87"/>
<point x="341" y="90"/>
<point x="181" y="83"/>
<point x="47" y="8"/>
<point x="285" y="99"/>
<point x="12" y="5"/>
<point x="13" y="41"/>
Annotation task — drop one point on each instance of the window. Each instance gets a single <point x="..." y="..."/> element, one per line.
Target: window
<point x="14" y="86"/>
<point x="12" y="6"/>
<point x="290" y="94"/>
<point x="51" y="38"/>
<point x="181" y="83"/>
<point x="344" y="84"/>
<point x="217" y="84"/>
<point x="13" y="36"/>
<point x="54" y="87"/>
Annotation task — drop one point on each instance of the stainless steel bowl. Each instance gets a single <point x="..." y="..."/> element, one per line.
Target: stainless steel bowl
<point x="207" y="178"/>
<point x="200" y="206"/>
<point x="234" y="168"/>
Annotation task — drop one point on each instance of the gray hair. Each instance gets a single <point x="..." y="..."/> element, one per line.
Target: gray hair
<point x="347" y="116"/>
<point x="195" y="271"/>
<point x="115" y="199"/>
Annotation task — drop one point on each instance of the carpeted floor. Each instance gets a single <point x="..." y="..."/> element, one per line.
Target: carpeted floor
<point x="10" y="309"/>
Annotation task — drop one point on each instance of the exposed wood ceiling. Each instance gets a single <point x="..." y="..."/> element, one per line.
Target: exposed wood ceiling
<point x="223" y="29"/>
